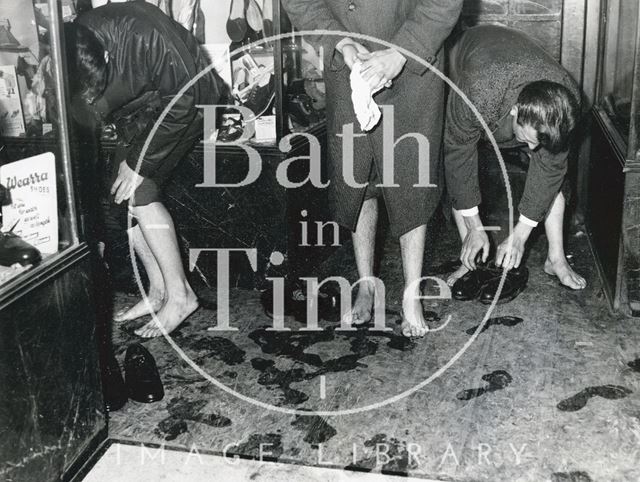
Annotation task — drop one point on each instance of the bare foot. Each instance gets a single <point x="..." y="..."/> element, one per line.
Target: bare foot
<point x="456" y="275"/>
<point x="413" y="324"/>
<point x="565" y="274"/>
<point x="172" y="314"/>
<point x="143" y="307"/>
<point x="361" y="310"/>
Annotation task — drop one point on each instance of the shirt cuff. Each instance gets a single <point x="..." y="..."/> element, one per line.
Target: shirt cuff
<point x="467" y="213"/>
<point x="527" y="221"/>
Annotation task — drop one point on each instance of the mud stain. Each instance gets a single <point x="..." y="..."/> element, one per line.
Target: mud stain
<point x="509" y="321"/>
<point x="496" y="380"/>
<point x="580" y="399"/>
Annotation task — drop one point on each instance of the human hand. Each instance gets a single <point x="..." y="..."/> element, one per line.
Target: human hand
<point x="350" y="52"/>
<point x="126" y="183"/>
<point x="510" y="252"/>
<point x="475" y="241"/>
<point x="381" y="67"/>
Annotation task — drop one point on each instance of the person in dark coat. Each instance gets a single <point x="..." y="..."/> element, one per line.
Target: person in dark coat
<point x="530" y="101"/>
<point x="130" y="57"/>
<point x="416" y="94"/>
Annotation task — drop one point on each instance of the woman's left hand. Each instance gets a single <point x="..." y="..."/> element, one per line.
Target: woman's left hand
<point x="379" y="68"/>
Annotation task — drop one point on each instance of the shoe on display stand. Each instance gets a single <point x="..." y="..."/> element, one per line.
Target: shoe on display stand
<point x="14" y="250"/>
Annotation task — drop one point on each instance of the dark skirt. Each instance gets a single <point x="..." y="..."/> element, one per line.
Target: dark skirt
<point x="418" y="111"/>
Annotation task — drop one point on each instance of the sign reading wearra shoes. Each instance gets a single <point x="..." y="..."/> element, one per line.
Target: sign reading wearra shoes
<point x="34" y="202"/>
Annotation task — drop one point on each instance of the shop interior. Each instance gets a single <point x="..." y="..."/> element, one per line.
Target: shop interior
<point x="544" y="387"/>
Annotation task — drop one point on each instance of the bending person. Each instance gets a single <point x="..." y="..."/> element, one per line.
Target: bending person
<point x="529" y="101"/>
<point x="128" y="55"/>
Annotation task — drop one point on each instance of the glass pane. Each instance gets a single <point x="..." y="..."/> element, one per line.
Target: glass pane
<point x="36" y="224"/>
<point x="622" y="24"/>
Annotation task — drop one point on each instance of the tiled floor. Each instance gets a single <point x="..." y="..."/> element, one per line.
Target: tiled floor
<point x="548" y="389"/>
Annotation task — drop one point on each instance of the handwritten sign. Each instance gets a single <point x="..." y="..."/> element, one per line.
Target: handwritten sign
<point x="34" y="202"/>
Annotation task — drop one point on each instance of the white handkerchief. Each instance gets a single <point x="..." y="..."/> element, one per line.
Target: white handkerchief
<point x="366" y="109"/>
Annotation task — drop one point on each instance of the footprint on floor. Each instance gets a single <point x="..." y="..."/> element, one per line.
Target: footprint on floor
<point x="580" y="399"/>
<point x="398" y="459"/>
<point x="497" y="380"/>
<point x="634" y="365"/>
<point x="575" y="476"/>
<point x="317" y="428"/>
<point x="267" y="446"/>
<point x="171" y="427"/>
<point x="509" y="321"/>
<point x="182" y="411"/>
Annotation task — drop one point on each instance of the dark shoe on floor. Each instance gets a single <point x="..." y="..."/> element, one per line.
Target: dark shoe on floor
<point x="295" y="304"/>
<point x="14" y="250"/>
<point x="514" y="284"/>
<point x="114" y="389"/>
<point x="141" y="375"/>
<point x="470" y="286"/>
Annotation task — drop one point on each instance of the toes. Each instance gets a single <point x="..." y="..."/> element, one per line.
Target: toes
<point x="121" y="315"/>
<point x="146" y="330"/>
<point x="407" y="329"/>
<point x="410" y="330"/>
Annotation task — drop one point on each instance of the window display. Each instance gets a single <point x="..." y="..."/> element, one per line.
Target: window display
<point x="38" y="210"/>
<point x="618" y="62"/>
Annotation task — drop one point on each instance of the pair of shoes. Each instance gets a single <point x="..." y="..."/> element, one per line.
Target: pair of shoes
<point x="141" y="381"/>
<point x="14" y="250"/>
<point x="295" y="304"/>
<point x="514" y="284"/>
<point x="482" y="284"/>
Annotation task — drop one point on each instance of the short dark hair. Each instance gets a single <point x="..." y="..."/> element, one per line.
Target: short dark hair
<point x="86" y="63"/>
<point x="552" y="110"/>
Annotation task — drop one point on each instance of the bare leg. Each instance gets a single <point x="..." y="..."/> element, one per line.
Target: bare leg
<point x="180" y="301"/>
<point x="462" y="230"/>
<point x="155" y="297"/>
<point x="556" y="263"/>
<point x="412" y="249"/>
<point x="364" y="239"/>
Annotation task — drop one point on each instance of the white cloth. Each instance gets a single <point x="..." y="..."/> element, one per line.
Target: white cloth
<point x="366" y="109"/>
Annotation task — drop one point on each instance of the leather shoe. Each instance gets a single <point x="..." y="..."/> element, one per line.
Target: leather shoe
<point x="14" y="250"/>
<point x="295" y="304"/>
<point x="141" y="375"/>
<point x="514" y="284"/>
<point x="471" y="285"/>
<point x="113" y="387"/>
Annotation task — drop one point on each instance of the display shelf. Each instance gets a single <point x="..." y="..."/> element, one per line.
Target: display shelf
<point x="613" y="201"/>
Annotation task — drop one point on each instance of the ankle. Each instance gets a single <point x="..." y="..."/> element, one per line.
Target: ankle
<point x="181" y="291"/>
<point x="555" y="258"/>
<point x="367" y="288"/>
<point x="158" y="294"/>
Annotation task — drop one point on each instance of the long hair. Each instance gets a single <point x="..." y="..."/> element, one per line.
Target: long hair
<point x="553" y="112"/>
<point x="86" y="63"/>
